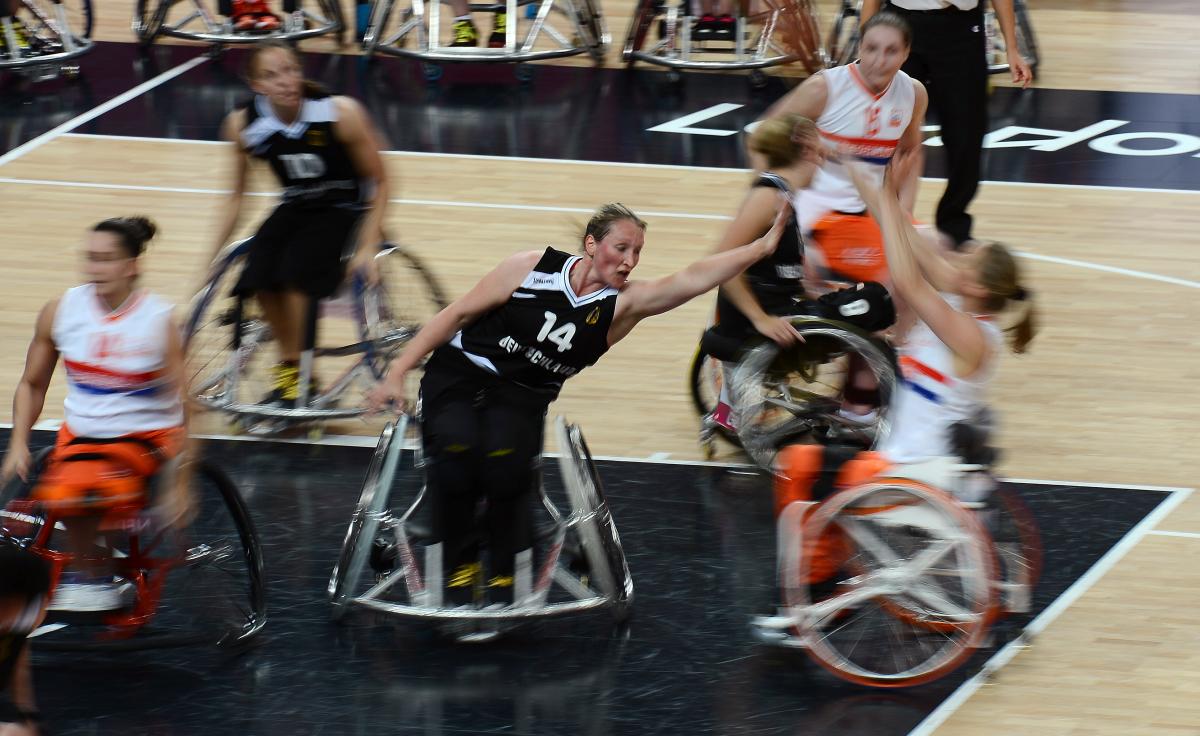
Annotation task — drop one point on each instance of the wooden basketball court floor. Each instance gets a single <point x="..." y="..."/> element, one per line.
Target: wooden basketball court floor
<point x="1108" y="395"/>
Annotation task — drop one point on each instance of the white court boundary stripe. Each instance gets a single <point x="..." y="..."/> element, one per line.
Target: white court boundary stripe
<point x="572" y="210"/>
<point x="99" y="110"/>
<point x="400" y="200"/>
<point x="665" y="167"/>
<point x="1167" y="533"/>
<point x="1055" y="609"/>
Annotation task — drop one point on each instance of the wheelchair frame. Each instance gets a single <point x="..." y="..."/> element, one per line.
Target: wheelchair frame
<point x="584" y="18"/>
<point x="676" y="50"/>
<point x="150" y="21"/>
<point x="422" y="583"/>
<point x="31" y="526"/>
<point x="991" y="583"/>
<point x="811" y="411"/>
<point x="54" y="33"/>
<point x="370" y="311"/>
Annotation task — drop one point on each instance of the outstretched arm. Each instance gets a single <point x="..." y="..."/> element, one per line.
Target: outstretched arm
<point x="959" y="331"/>
<point x="648" y="298"/>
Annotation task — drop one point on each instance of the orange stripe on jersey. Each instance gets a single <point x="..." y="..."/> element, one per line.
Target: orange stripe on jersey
<point x="857" y="76"/>
<point x="889" y="143"/>
<point x="910" y="363"/>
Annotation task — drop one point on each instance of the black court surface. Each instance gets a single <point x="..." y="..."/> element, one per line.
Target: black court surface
<point x="699" y="541"/>
<point x="1043" y="136"/>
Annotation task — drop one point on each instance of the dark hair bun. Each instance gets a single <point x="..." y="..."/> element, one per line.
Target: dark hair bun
<point x="134" y="232"/>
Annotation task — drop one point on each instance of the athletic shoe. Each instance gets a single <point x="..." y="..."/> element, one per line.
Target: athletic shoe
<point x="499" y="35"/>
<point x="77" y="592"/>
<point x="460" y="587"/>
<point x="464" y="34"/>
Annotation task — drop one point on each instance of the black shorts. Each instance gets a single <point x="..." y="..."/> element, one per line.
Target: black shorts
<point x="300" y="249"/>
<point x="9" y="712"/>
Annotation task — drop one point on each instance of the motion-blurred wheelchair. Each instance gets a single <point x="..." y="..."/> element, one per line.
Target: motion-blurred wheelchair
<point x="195" y="20"/>
<point x="183" y="583"/>
<point x="897" y="581"/>
<point x="45" y="38"/>
<point x="778" y="396"/>
<point x="389" y="564"/>
<point x="229" y="347"/>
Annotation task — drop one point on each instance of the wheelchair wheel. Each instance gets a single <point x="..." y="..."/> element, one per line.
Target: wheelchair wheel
<point x="905" y="589"/>
<point x="593" y="522"/>
<point x="203" y="584"/>
<point x="593" y="33"/>
<point x="705" y="379"/>
<point x="780" y="396"/>
<point x="42" y="23"/>
<point x="344" y="583"/>
<point x="406" y="298"/>
<point x="1018" y="545"/>
<point x="639" y="27"/>
<point x="148" y="18"/>
<point x="843" y="36"/>
<point x="218" y="374"/>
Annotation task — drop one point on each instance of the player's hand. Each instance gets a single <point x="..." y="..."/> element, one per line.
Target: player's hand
<point x="770" y="241"/>
<point x="1021" y="73"/>
<point x="365" y="263"/>
<point x="388" y="393"/>
<point x="16" y="463"/>
<point x="779" y="331"/>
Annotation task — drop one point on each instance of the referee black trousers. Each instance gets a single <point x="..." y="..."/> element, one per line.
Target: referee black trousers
<point x="949" y="56"/>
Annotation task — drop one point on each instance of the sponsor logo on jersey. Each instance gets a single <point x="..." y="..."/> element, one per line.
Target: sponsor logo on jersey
<point x="856" y="308"/>
<point x="316" y="137"/>
<point x="895" y="120"/>
<point x="593" y="317"/>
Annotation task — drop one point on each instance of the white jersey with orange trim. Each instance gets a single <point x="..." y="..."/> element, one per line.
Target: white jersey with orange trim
<point x="116" y="364"/>
<point x="931" y="398"/>
<point x="857" y="122"/>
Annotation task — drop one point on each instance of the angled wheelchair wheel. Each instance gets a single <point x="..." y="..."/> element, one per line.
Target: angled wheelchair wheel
<point x="593" y="522"/>
<point x="1018" y="545"/>
<point x="198" y="585"/>
<point x="894" y="584"/>
<point x="639" y="27"/>
<point x="148" y="17"/>
<point x="593" y="33"/>
<point x="44" y="26"/>
<point x="220" y="373"/>
<point x="406" y="298"/>
<point x="843" y="35"/>
<point x="779" y="396"/>
<point x="346" y="581"/>
<point x="704" y="380"/>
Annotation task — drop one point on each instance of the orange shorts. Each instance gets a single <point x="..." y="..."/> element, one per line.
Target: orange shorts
<point x="84" y="475"/>
<point x="799" y="467"/>
<point x="852" y="246"/>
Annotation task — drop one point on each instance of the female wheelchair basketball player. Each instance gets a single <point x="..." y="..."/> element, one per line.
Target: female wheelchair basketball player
<point x="324" y="151"/>
<point x="500" y="355"/>
<point x="123" y="357"/>
<point x="893" y="549"/>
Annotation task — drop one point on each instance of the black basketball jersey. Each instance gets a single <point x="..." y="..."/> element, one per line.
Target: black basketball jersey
<point x="313" y="167"/>
<point x="544" y="333"/>
<point x="783" y="271"/>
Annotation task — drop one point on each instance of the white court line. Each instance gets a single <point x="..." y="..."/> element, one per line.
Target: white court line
<point x="399" y="200"/>
<point x="665" y="167"/>
<point x="1166" y="533"/>
<point x="1035" y="627"/>
<point x="572" y="210"/>
<point x="99" y="110"/>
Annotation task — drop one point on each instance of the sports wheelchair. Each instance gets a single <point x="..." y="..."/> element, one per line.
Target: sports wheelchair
<point x="573" y="26"/>
<point x="582" y="565"/>
<point x="45" y="38"/>
<point x="927" y="557"/>
<point x="195" y="583"/>
<point x="787" y="31"/>
<point x="196" y="22"/>
<point x="228" y="342"/>
<point x="778" y="396"/>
